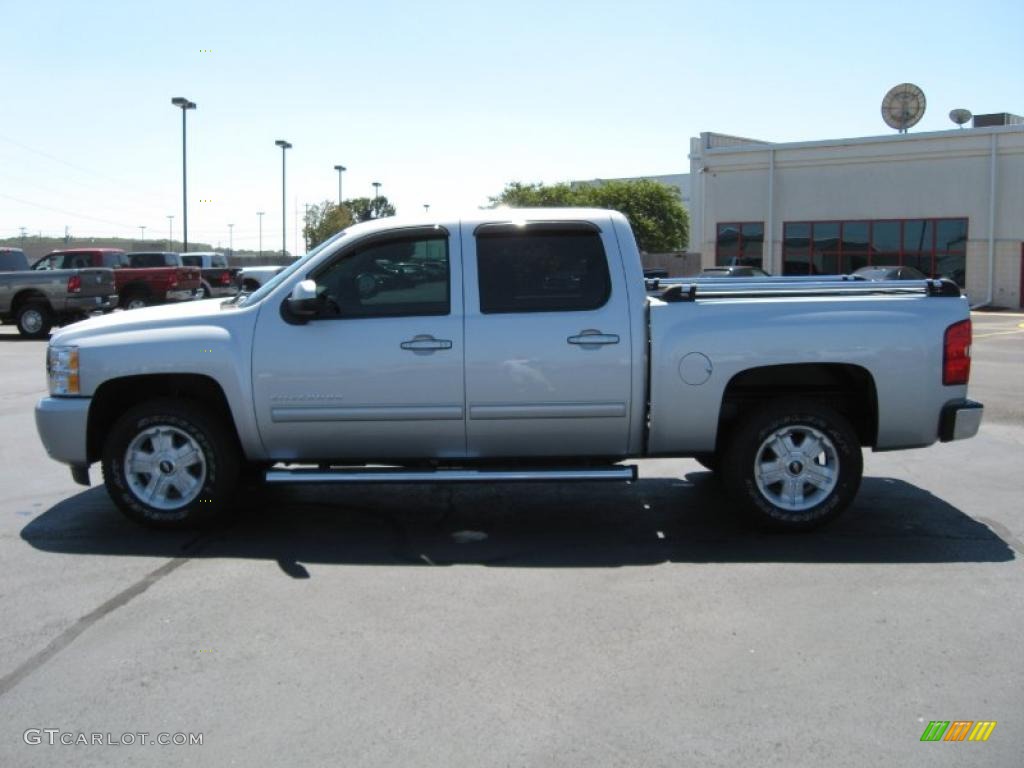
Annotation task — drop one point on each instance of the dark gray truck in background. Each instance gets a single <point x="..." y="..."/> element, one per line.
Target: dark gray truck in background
<point x="37" y="300"/>
<point x="217" y="278"/>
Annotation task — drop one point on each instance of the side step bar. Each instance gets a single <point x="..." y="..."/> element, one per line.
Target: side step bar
<point x="389" y="475"/>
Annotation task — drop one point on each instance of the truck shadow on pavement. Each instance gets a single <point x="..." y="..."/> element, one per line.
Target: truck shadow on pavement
<point x="589" y="525"/>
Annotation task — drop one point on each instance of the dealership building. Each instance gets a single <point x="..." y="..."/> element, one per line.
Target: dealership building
<point x="949" y="203"/>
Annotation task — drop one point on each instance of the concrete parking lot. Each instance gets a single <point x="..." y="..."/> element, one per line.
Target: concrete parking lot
<point x="522" y="624"/>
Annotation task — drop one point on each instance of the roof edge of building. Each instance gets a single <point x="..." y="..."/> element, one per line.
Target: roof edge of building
<point x="753" y="145"/>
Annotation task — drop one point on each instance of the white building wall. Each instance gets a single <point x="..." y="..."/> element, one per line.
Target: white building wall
<point x="943" y="174"/>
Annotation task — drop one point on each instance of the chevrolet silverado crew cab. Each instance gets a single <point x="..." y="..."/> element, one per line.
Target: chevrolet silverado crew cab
<point x="508" y="345"/>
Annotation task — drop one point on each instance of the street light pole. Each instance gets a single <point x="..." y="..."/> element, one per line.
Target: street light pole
<point x="340" y="169"/>
<point x="259" y="216"/>
<point x="142" y="228"/>
<point x="170" y="231"/>
<point x="376" y="189"/>
<point x="284" y="145"/>
<point x="231" y="239"/>
<point x="185" y="105"/>
<point x="426" y="207"/>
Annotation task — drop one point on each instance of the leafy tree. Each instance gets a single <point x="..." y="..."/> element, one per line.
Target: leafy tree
<point x="367" y="208"/>
<point x="519" y="195"/>
<point x="323" y="221"/>
<point x="654" y="210"/>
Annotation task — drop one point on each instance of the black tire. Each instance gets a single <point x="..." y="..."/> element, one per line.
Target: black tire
<point x="34" y="320"/>
<point x="707" y="460"/>
<point x="184" y="425"/>
<point x="134" y="300"/>
<point x="204" y="292"/>
<point x="812" y="489"/>
<point x="250" y="285"/>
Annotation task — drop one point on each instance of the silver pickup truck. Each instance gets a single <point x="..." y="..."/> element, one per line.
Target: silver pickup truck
<point x="508" y="345"/>
<point x="36" y="301"/>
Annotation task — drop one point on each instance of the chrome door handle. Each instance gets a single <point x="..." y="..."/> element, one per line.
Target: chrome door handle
<point x="589" y="337"/>
<point x="426" y="343"/>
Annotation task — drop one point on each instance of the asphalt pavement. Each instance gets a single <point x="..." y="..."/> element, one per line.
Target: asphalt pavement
<point x="521" y="625"/>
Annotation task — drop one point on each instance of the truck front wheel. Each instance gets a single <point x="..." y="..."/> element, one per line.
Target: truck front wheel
<point x="793" y="465"/>
<point x="170" y="464"/>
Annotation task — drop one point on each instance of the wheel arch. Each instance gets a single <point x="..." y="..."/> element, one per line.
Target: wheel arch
<point x="136" y="287"/>
<point x="115" y="396"/>
<point x="26" y="295"/>
<point x="849" y="389"/>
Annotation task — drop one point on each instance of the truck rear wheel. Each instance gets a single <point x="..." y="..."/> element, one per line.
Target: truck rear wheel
<point x="134" y="300"/>
<point x="171" y="464"/>
<point x="34" y="320"/>
<point x="793" y="465"/>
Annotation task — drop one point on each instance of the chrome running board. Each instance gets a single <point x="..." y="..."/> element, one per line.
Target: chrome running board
<point x="389" y="475"/>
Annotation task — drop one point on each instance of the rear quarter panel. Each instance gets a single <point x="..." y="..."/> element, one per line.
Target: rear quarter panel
<point x="898" y="340"/>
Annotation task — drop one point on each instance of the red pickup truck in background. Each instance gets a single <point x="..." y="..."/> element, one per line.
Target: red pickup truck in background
<point x="136" y="287"/>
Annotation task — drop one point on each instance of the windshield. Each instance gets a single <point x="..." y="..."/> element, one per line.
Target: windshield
<point x="271" y="284"/>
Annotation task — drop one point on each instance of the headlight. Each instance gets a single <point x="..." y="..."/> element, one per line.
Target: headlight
<point x="62" y="370"/>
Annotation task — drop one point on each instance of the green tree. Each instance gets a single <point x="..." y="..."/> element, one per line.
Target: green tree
<point x="323" y="221"/>
<point x="367" y="208"/>
<point x="654" y="210"/>
<point x="519" y="195"/>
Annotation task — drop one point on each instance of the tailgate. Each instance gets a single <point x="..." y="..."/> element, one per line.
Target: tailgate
<point x="189" y="278"/>
<point x="96" y="282"/>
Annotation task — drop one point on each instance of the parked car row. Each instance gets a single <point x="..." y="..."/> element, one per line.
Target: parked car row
<point x="70" y="284"/>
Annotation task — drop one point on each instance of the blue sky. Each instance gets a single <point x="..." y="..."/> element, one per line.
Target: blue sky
<point x="442" y="102"/>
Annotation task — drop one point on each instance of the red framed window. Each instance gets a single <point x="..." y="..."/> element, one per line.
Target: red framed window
<point x="935" y="247"/>
<point x="739" y="243"/>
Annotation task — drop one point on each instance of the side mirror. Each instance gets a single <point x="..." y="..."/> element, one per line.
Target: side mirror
<point x="303" y="300"/>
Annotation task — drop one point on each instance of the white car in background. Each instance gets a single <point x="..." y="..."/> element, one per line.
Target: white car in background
<point x="253" y="277"/>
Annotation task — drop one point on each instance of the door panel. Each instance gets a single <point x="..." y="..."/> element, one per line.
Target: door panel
<point x="548" y="344"/>
<point x="360" y="382"/>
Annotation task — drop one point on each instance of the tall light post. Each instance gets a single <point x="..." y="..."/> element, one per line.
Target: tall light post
<point x="340" y="169"/>
<point x="259" y="216"/>
<point x="376" y="189"/>
<point x="170" y="231"/>
<point x="185" y="105"/>
<point x="142" y="228"/>
<point x="285" y="146"/>
<point x="231" y="239"/>
<point x="426" y="207"/>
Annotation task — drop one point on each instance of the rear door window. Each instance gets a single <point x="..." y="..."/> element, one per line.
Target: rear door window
<point x="544" y="271"/>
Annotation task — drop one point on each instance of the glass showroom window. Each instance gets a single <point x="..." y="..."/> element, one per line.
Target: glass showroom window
<point x="740" y="243"/>
<point x="935" y="247"/>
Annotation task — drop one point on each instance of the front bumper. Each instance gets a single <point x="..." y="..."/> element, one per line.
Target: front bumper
<point x="960" y="420"/>
<point x="62" y="423"/>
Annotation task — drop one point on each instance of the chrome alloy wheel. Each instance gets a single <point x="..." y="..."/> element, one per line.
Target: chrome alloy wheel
<point x="796" y="467"/>
<point x="165" y="467"/>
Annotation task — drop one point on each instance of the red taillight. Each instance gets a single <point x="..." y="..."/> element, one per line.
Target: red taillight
<point x="956" y="353"/>
<point x="225" y="278"/>
<point x="173" y="282"/>
<point x="74" y="284"/>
